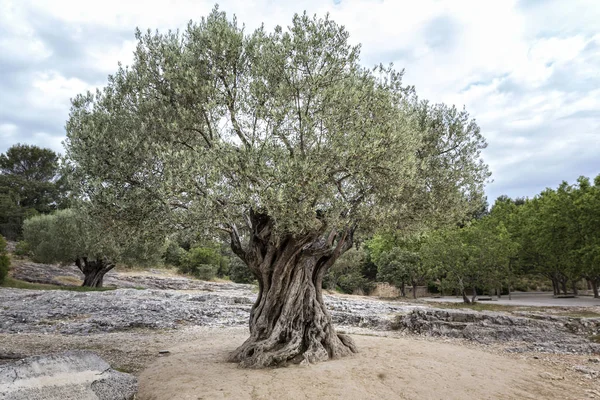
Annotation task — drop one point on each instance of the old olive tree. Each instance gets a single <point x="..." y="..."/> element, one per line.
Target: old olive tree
<point x="283" y="141"/>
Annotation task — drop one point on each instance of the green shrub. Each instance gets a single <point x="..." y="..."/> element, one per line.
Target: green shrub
<point x="22" y="248"/>
<point x="4" y="260"/>
<point x="174" y="254"/>
<point x="354" y="282"/>
<point x="201" y="262"/>
<point x="239" y="271"/>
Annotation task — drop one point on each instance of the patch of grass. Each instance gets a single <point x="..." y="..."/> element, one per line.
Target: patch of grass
<point x="19" y="284"/>
<point x="68" y="280"/>
<point x="594" y="338"/>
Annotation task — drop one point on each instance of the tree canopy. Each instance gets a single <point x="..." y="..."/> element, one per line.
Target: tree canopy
<point x="213" y="122"/>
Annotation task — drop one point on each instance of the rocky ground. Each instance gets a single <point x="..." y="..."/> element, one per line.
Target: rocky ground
<point x="152" y="311"/>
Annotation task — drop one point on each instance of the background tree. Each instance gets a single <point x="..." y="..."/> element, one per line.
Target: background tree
<point x="70" y="236"/>
<point x="347" y="275"/>
<point x="393" y="265"/>
<point x="4" y="260"/>
<point x="29" y="184"/>
<point x="283" y="141"/>
<point x="587" y="204"/>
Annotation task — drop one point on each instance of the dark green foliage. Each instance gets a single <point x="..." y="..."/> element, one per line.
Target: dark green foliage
<point x="174" y="254"/>
<point x="22" y="248"/>
<point x="4" y="260"/>
<point x="29" y="184"/>
<point x="347" y="273"/>
<point x="201" y="262"/>
<point x="239" y="271"/>
<point x="354" y="282"/>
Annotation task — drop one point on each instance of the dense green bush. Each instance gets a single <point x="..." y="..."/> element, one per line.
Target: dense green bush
<point x="355" y="282"/>
<point x="201" y="262"/>
<point x="174" y="254"/>
<point x="22" y="248"/>
<point x="347" y="273"/>
<point x="239" y="271"/>
<point x="4" y="260"/>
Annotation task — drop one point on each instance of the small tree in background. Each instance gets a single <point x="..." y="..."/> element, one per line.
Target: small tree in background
<point x="30" y="184"/>
<point x="4" y="260"/>
<point x="400" y="267"/>
<point x="70" y="236"/>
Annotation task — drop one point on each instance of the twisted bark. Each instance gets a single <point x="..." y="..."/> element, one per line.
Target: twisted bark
<point x="93" y="270"/>
<point x="289" y="323"/>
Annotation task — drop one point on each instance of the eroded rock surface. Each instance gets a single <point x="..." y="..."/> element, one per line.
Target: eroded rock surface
<point x="72" y="375"/>
<point x="534" y="332"/>
<point x="65" y="312"/>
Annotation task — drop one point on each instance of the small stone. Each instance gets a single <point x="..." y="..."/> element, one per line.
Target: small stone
<point x="551" y="377"/>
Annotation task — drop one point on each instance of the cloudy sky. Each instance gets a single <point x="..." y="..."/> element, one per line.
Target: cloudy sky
<point x="527" y="70"/>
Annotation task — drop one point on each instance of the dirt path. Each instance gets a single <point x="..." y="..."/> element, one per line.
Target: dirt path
<point x="386" y="368"/>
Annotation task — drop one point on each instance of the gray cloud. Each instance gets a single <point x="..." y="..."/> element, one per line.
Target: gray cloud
<point x="441" y="33"/>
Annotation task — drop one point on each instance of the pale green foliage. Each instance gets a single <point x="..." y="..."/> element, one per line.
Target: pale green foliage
<point x="212" y="122"/>
<point x="69" y="234"/>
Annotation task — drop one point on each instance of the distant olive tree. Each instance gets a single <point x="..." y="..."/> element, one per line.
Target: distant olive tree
<point x="70" y="236"/>
<point x="285" y="142"/>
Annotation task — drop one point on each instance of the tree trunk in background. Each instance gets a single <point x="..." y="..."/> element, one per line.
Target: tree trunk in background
<point x="594" y="283"/>
<point x="574" y="286"/>
<point x="465" y="297"/>
<point x="403" y="290"/>
<point x="474" y="296"/>
<point x="555" y="286"/>
<point x="289" y="323"/>
<point x="414" y="287"/>
<point x="93" y="271"/>
<point x="563" y="284"/>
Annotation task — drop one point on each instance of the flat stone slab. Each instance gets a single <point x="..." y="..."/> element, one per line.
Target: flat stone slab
<point x="72" y="375"/>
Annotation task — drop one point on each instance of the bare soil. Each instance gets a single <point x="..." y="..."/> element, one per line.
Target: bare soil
<point x="199" y="323"/>
<point x="385" y="368"/>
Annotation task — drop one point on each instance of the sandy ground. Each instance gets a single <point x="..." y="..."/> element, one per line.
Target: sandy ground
<point x="386" y="368"/>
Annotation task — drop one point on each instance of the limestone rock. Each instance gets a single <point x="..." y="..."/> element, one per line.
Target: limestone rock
<point x="72" y="375"/>
<point x="538" y="333"/>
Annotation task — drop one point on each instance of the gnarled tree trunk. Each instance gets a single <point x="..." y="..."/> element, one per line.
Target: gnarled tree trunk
<point x="93" y="270"/>
<point x="289" y="323"/>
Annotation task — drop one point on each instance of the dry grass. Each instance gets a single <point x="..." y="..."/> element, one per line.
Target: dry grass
<point x="19" y="284"/>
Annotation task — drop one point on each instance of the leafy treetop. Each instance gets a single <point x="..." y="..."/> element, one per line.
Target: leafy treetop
<point x="212" y="124"/>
